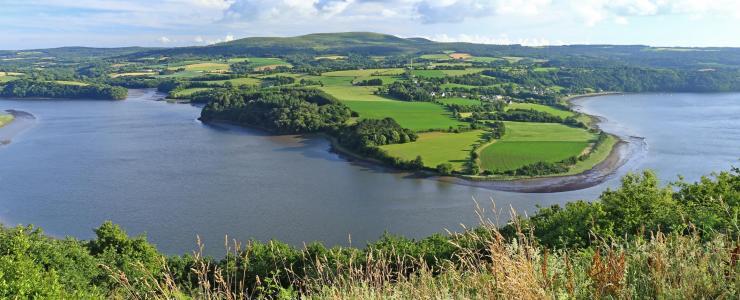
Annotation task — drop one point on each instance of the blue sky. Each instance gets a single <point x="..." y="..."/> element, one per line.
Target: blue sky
<point x="30" y="24"/>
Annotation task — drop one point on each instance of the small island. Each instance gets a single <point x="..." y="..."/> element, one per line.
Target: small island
<point x="5" y="119"/>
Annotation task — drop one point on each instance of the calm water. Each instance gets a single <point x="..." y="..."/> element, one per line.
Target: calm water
<point x="153" y="168"/>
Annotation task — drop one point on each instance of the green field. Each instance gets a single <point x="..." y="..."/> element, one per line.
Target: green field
<point x="438" y="147"/>
<point x="462" y="72"/>
<point x="428" y="73"/>
<point x="595" y="157"/>
<point x="5" y="119"/>
<point x="436" y="57"/>
<point x="365" y="73"/>
<point x="539" y="107"/>
<point x="239" y="81"/>
<point x="527" y="143"/>
<point x="208" y="67"/>
<point x="7" y="78"/>
<point x="459" y="101"/>
<point x="484" y="59"/>
<point x="353" y="93"/>
<point x="188" y="92"/>
<point x="65" y="82"/>
<point x="412" y="115"/>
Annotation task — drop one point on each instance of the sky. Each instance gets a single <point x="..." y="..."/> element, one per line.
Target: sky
<point x="33" y="24"/>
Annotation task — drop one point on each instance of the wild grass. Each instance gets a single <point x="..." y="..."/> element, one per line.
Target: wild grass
<point x="484" y="265"/>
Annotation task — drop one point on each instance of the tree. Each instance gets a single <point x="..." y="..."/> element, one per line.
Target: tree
<point x="445" y="169"/>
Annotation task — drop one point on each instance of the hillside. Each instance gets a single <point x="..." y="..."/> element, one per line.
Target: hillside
<point x="366" y="43"/>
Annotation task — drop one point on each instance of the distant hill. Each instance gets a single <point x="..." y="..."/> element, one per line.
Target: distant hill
<point x="376" y="44"/>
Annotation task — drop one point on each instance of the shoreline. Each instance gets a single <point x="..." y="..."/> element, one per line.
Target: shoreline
<point x="22" y="120"/>
<point x="593" y="176"/>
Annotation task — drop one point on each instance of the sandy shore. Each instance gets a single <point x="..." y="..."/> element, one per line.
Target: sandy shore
<point x="22" y="121"/>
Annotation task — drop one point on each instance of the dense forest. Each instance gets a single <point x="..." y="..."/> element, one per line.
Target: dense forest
<point x="45" y="89"/>
<point x="280" y="111"/>
<point x="636" y="240"/>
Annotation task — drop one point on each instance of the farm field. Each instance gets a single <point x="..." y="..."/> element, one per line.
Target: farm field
<point x="436" y="56"/>
<point x="460" y="101"/>
<point x="188" y="92"/>
<point x="539" y="107"/>
<point x="66" y="82"/>
<point x="527" y="143"/>
<point x="116" y="75"/>
<point x="353" y="93"/>
<point x="207" y="67"/>
<point x="438" y="147"/>
<point x="365" y="72"/>
<point x="238" y="81"/>
<point x="4" y="79"/>
<point x="417" y="116"/>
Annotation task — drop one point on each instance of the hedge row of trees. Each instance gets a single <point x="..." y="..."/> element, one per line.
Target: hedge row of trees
<point x="24" y="88"/>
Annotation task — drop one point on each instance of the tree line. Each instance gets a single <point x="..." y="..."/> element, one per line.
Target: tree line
<point x="24" y="88"/>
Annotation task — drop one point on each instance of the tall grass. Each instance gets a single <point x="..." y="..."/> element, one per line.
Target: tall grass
<point x="485" y="266"/>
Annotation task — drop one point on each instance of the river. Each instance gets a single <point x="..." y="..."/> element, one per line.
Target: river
<point x="153" y="168"/>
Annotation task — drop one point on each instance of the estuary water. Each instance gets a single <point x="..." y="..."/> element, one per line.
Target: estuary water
<point x="153" y="168"/>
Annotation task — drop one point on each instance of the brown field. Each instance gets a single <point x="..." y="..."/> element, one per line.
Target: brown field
<point x="461" y="56"/>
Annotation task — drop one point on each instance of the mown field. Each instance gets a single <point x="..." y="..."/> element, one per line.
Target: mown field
<point x="438" y="147"/>
<point x="539" y="107"/>
<point x="460" y="101"/>
<point x="417" y="116"/>
<point x="528" y="143"/>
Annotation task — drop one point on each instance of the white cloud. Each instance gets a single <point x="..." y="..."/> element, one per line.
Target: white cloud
<point x="164" y="40"/>
<point x="502" y="39"/>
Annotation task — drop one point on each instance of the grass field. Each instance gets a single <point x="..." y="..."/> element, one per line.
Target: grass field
<point x="438" y="147"/>
<point x="412" y="115"/>
<point x="115" y="75"/>
<point x="428" y="73"/>
<point x="182" y="74"/>
<point x="459" y="101"/>
<point x="596" y="157"/>
<point x="436" y="56"/>
<point x="353" y="93"/>
<point x="539" y="107"/>
<point x="527" y="143"/>
<point x="65" y="82"/>
<point x="484" y="59"/>
<point x="4" y="79"/>
<point x="365" y="73"/>
<point x="187" y="92"/>
<point x="239" y="81"/>
<point x="207" y="67"/>
<point x="462" y="72"/>
<point x="5" y="119"/>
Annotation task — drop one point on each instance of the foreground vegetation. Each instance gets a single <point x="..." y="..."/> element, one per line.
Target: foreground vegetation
<point x="641" y="240"/>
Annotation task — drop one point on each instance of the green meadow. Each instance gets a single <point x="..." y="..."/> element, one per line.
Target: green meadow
<point x="543" y="108"/>
<point x="417" y="116"/>
<point x="460" y="101"/>
<point x="528" y="143"/>
<point x="438" y="147"/>
<point x="365" y="73"/>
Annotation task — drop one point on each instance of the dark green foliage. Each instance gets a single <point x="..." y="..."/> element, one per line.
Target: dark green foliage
<point x="44" y="89"/>
<point x="370" y="82"/>
<point x="286" y="110"/>
<point x="372" y="132"/>
<point x="445" y="169"/>
<point x="641" y="206"/>
<point x="410" y="91"/>
<point x="277" y="80"/>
